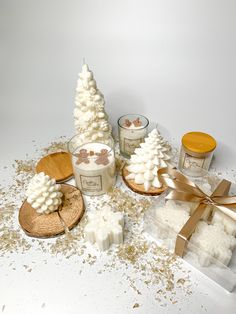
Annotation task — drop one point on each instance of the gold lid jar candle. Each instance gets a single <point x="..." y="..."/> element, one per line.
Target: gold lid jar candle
<point x="132" y="130"/>
<point x="93" y="165"/>
<point x="196" y="153"/>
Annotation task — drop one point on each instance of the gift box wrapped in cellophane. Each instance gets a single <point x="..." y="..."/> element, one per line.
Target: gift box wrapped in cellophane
<point x="202" y="233"/>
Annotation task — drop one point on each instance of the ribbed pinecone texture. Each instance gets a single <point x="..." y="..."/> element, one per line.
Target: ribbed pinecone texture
<point x="43" y="194"/>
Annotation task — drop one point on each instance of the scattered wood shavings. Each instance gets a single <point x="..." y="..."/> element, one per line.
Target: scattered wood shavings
<point x="150" y="267"/>
<point x="131" y="252"/>
<point x="56" y="146"/>
<point x="123" y="201"/>
<point x="135" y="305"/>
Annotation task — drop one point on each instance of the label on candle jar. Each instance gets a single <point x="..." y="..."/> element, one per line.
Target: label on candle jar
<point x="131" y="144"/>
<point x="191" y="162"/>
<point x="91" y="183"/>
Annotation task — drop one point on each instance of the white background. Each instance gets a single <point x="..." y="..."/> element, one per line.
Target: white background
<point x="173" y="61"/>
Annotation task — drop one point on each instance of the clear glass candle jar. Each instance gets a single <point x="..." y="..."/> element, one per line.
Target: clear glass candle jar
<point x="132" y="130"/>
<point x="196" y="153"/>
<point x="93" y="165"/>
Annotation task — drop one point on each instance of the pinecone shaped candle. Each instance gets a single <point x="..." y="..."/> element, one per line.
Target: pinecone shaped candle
<point x="43" y="194"/>
<point x="90" y="118"/>
<point x="152" y="155"/>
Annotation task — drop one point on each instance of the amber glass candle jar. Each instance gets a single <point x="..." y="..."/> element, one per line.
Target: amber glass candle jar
<point x="196" y="153"/>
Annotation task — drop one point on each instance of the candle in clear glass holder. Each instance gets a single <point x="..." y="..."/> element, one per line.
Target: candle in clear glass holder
<point x="196" y="153"/>
<point x="93" y="165"/>
<point x="132" y="130"/>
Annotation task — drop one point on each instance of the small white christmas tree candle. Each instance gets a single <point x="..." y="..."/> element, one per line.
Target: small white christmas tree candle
<point x="43" y="194"/>
<point x="104" y="228"/>
<point x="152" y="155"/>
<point x="90" y="118"/>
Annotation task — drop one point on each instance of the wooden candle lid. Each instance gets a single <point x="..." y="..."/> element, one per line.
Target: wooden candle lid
<point x="49" y="225"/>
<point x="139" y="188"/>
<point x="56" y="165"/>
<point x="199" y="142"/>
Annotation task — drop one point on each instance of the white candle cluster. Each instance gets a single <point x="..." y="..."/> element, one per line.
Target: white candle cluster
<point x="104" y="228"/>
<point x="170" y="218"/>
<point x="43" y="194"/>
<point x="209" y="242"/>
<point x="90" y="118"/>
<point x="153" y="154"/>
<point x="228" y="223"/>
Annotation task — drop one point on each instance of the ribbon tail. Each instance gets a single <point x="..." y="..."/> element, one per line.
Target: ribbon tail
<point x="183" y="196"/>
<point x="227" y="211"/>
<point x="188" y="229"/>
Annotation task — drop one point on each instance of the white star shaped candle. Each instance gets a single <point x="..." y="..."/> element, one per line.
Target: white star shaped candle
<point x="105" y="228"/>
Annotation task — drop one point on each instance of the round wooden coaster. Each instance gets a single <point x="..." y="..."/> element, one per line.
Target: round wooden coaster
<point x="139" y="188"/>
<point x="49" y="225"/>
<point x="56" y="165"/>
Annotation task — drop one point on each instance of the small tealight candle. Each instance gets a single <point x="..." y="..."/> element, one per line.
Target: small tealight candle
<point x="94" y="166"/>
<point x="132" y="130"/>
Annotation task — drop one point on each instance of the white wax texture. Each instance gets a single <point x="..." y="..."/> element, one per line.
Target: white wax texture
<point x="152" y="155"/>
<point x="228" y="223"/>
<point x="43" y="194"/>
<point x="102" y="176"/>
<point x="131" y="136"/>
<point x="170" y="219"/>
<point x="211" y="241"/>
<point x="104" y="228"/>
<point x="208" y="242"/>
<point x="90" y="118"/>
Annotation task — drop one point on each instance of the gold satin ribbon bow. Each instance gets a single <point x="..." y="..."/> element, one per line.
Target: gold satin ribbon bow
<point x="183" y="189"/>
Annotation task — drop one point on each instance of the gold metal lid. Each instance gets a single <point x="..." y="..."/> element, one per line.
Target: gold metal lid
<point x="199" y="142"/>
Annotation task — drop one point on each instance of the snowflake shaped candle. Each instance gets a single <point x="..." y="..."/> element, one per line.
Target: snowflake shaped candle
<point x="105" y="228"/>
<point x="212" y="241"/>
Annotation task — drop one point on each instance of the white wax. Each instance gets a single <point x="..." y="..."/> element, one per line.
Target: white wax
<point x="91" y="178"/>
<point x="104" y="228"/>
<point x="208" y="242"/>
<point x="130" y="138"/>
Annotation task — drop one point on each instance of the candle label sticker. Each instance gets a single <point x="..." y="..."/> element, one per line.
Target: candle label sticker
<point x="191" y="162"/>
<point x="131" y="144"/>
<point x="91" y="183"/>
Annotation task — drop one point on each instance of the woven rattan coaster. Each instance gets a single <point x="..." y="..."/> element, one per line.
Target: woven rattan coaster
<point x="139" y="188"/>
<point x="56" y="165"/>
<point x="49" y="225"/>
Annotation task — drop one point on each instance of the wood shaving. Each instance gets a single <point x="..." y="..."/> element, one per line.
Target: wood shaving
<point x="150" y="267"/>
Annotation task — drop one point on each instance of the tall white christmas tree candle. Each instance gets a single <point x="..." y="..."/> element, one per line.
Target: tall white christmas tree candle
<point x="90" y="118"/>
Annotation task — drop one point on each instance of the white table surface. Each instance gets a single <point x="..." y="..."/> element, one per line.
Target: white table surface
<point x="173" y="61"/>
<point x="61" y="285"/>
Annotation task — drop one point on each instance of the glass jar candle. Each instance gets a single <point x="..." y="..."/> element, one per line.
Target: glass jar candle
<point x="196" y="153"/>
<point x="132" y="130"/>
<point x="93" y="165"/>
